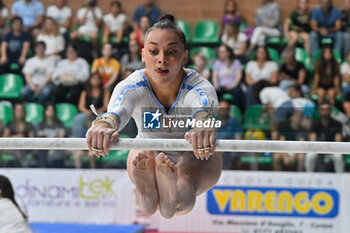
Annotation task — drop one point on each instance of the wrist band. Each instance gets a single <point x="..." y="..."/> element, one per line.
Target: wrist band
<point x="110" y="121"/>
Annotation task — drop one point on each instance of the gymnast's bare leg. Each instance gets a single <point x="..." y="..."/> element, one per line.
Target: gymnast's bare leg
<point x="141" y="166"/>
<point x="173" y="187"/>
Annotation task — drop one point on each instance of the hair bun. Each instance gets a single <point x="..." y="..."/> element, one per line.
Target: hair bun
<point x="164" y="17"/>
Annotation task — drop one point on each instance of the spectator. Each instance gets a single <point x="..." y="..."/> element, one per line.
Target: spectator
<point x="4" y="13"/>
<point x="278" y="104"/>
<point x="292" y="72"/>
<point x="325" y="129"/>
<point x="89" y="18"/>
<point x="235" y="39"/>
<point x="345" y="73"/>
<point x="230" y="128"/>
<point x="114" y="22"/>
<point x="32" y="13"/>
<point x="262" y="68"/>
<point x="139" y="33"/>
<point x="62" y="14"/>
<point x="51" y="127"/>
<point x="132" y="60"/>
<point x="230" y="14"/>
<point x="69" y="76"/>
<point x="200" y="65"/>
<point x="12" y="218"/>
<point x="301" y="104"/>
<point x="345" y="23"/>
<point x="291" y="130"/>
<point x="93" y="94"/>
<point x="327" y="80"/>
<point x="150" y="10"/>
<point x="107" y="67"/>
<point x="14" y="48"/>
<point x="325" y="23"/>
<point x="346" y="120"/>
<point x="227" y="75"/>
<point x="37" y="72"/>
<point x="267" y="22"/>
<point x="52" y="38"/>
<point x="17" y="128"/>
<point x="297" y="25"/>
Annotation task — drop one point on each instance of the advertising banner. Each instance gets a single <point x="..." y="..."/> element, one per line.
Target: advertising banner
<point x="74" y="196"/>
<point x="269" y="202"/>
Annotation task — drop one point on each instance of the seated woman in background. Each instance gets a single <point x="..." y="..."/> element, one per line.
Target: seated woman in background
<point x="52" y="38"/>
<point x="345" y="73"/>
<point x="12" y="218"/>
<point x="95" y="94"/>
<point x="62" y="13"/>
<point x="227" y="75"/>
<point x="14" y="47"/>
<point x="297" y="25"/>
<point x="114" y="23"/>
<point x="139" y="33"/>
<point x="262" y="68"/>
<point x="327" y="78"/>
<point x="267" y="23"/>
<point x="107" y="67"/>
<point x="230" y="14"/>
<point x="69" y="76"/>
<point x="132" y="59"/>
<point x="292" y="72"/>
<point x="235" y="39"/>
<point x="51" y="127"/>
<point x="89" y="17"/>
<point x="200" y="65"/>
<point x="18" y="128"/>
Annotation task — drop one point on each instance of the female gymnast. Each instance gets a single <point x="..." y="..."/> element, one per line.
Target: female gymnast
<point x="167" y="181"/>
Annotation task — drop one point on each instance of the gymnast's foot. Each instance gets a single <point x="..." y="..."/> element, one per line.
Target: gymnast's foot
<point x="166" y="181"/>
<point x="145" y="181"/>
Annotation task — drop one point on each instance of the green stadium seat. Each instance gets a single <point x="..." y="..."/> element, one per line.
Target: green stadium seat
<point x="326" y="42"/>
<point x="257" y="159"/>
<point x="347" y="160"/>
<point x="65" y="113"/>
<point x="243" y="25"/>
<point x="185" y="27"/>
<point x="228" y="97"/>
<point x="272" y="53"/>
<point x="117" y="157"/>
<point x="276" y="42"/>
<point x="10" y="86"/>
<point x="209" y="53"/>
<point x="236" y="113"/>
<point x="8" y="160"/>
<point x="6" y="112"/>
<point x="335" y="54"/>
<point x="206" y="32"/>
<point x="256" y="118"/>
<point x="34" y="112"/>
<point x="302" y="56"/>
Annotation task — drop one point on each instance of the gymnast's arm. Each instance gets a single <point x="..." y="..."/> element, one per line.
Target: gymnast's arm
<point x="120" y="108"/>
<point x="202" y="137"/>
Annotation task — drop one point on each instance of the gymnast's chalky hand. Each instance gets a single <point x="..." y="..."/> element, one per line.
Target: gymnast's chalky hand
<point x="99" y="137"/>
<point x="203" y="142"/>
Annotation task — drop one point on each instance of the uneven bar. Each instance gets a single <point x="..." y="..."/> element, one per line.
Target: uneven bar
<point x="178" y="145"/>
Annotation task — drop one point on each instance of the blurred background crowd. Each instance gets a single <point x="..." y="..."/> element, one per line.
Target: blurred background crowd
<point x="276" y="79"/>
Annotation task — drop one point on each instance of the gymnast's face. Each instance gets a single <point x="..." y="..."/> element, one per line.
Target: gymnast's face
<point x="164" y="56"/>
